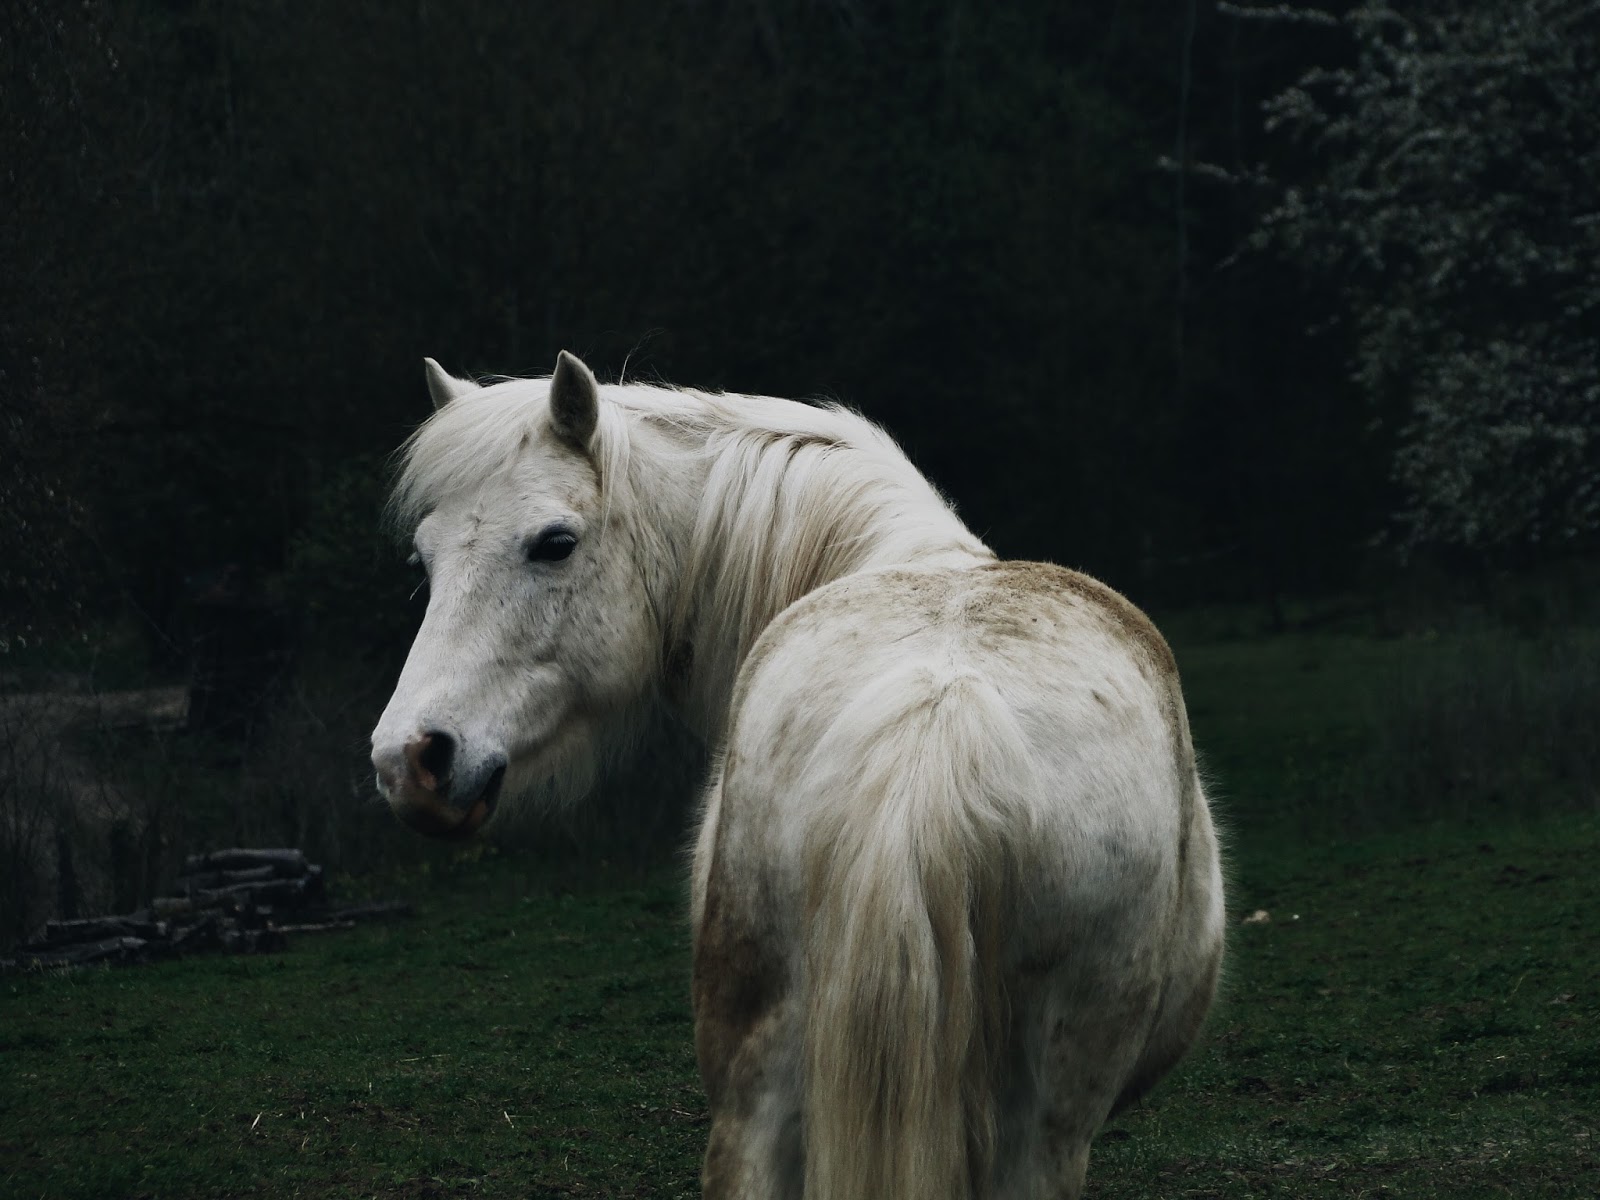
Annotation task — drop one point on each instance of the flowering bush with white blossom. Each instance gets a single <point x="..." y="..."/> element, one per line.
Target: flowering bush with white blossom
<point x="1454" y="199"/>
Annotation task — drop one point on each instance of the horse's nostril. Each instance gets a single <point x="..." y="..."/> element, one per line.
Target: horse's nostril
<point x="432" y="756"/>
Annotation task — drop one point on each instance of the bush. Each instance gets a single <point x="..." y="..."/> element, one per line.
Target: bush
<point x="1447" y="192"/>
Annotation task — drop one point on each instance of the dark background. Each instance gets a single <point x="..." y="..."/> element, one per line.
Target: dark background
<point x="1035" y="240"/>
<point x="239" y="227"/>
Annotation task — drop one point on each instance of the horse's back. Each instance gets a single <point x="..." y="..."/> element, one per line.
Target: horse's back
<point x="1088" y="679"/>
<point x="1050" y="710"/>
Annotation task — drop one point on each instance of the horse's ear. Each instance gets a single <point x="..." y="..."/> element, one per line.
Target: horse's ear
<point x="444" y="387"/>
<point x="574" y="400"/>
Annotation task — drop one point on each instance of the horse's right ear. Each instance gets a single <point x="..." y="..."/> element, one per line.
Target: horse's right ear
<point x="444" y="387"/>
<point x="574" y="400"/>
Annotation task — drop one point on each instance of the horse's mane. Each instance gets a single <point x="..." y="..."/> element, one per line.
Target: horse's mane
<point x="796" y="495"/>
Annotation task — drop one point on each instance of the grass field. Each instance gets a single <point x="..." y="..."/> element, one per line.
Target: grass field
<point x="1419" y="1017"/>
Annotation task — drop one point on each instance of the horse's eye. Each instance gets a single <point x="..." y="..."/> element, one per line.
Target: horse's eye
<point x="552" y="546"/>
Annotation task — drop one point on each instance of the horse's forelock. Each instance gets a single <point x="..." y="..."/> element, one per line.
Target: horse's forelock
<point x="482" y="434"/>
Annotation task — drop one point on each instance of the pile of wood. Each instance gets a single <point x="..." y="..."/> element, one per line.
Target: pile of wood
<point x="233" y="901"/>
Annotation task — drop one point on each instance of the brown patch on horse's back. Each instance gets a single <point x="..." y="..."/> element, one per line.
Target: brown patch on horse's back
<point x="1048" y="579"/>
<point x="1150" y="652"/>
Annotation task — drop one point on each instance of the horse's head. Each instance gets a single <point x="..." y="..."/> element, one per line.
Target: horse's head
<point x="537" y="626"/>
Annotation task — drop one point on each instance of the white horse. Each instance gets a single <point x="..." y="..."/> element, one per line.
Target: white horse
<point x="956" y="893"/>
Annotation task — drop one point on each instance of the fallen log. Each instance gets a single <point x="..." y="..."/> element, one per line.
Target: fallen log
<point x="240" y="901"/>
<point x="214" y="879"/>
<point x="290" y="892"/>
<point x="278" y="892"/>
<point x="204" y="934"/>
<point x="89" y="929"/>
<point x="179" y="906"/>
<point x="115" y="949"/>
<point x="290" y="862"/>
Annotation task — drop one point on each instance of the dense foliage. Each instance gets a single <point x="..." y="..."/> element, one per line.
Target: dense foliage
<point x="1451" y="198"/>
<point x="235" y="229"/>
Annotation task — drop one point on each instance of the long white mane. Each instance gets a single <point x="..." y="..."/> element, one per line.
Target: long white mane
<point x="794" y="496"/>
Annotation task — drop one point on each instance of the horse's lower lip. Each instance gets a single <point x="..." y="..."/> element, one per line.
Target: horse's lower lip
<point x="439" y="820"/>
<point x="482" y="808"/>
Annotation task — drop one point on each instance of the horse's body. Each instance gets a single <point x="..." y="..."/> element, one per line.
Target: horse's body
<point x="956" y="893"/>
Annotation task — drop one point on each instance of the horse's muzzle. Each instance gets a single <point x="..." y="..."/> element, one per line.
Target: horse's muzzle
<point x="435" y="789"/>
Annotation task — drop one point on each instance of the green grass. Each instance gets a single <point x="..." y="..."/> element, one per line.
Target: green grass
<point x="1343" y="736"/>
<point x="1419" y="1018"/>
<point x="1278" y="720"/>
<point x="509" y="1041"/>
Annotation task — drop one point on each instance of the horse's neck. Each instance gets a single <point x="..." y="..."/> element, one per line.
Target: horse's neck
<point x="728" y="596"/>
<point x="703" y="668"/>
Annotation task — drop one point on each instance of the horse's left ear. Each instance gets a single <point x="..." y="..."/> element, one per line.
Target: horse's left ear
<point x="574" y="400"/>
<point x="443" y="386"/>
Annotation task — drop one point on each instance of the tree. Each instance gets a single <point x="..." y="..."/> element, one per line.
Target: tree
<point x="1448" y="191"/>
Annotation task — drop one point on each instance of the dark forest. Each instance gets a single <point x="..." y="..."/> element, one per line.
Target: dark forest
<point x="235" y="230"/>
